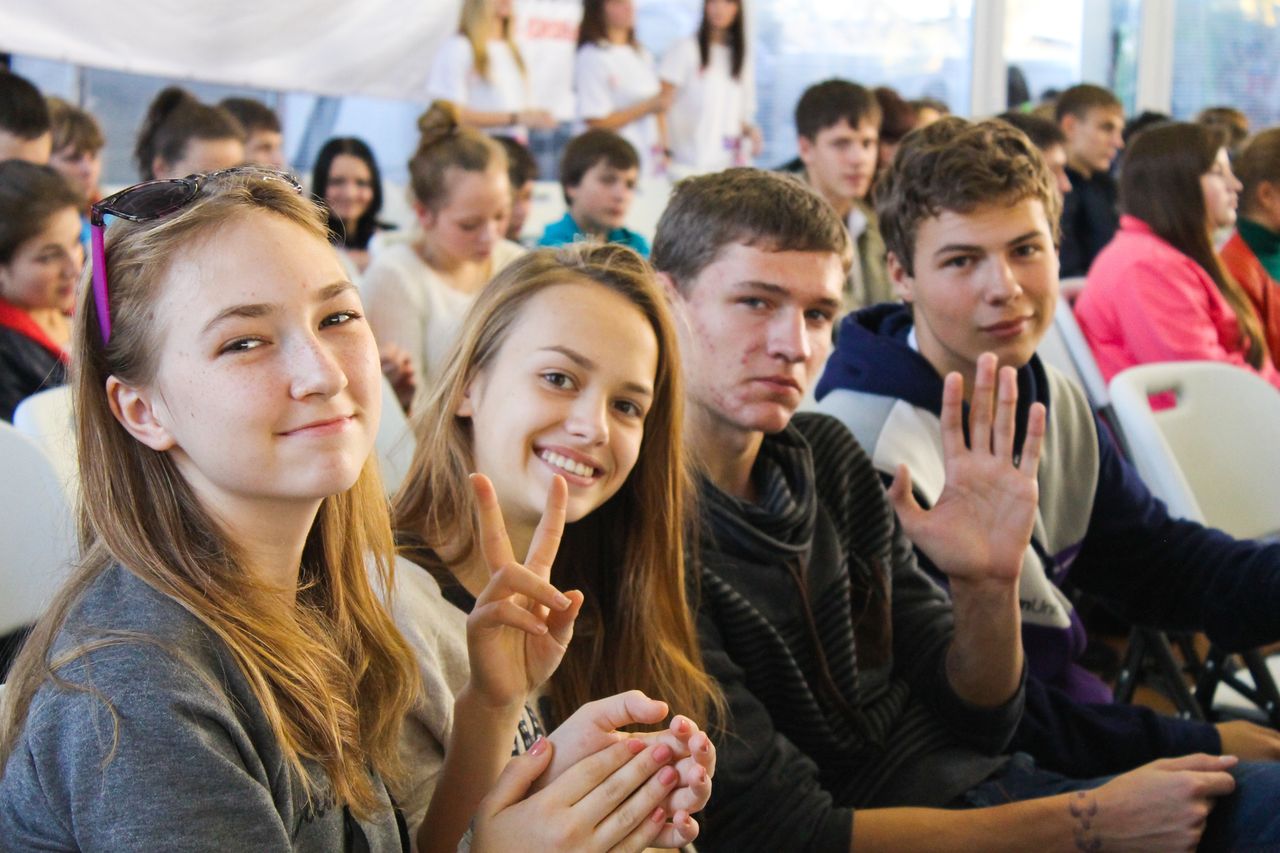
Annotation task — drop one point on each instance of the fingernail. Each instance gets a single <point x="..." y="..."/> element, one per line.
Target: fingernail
<point x="668" y="775"/>
<point x="662" y="753"/>
<point x="706" y="747"/>
<point x="539" y="746"/>
<point x="563" y="601"/>
<point x="635" y="747"/>
<point x="658" y="815"/>
<point x="702" y="777"/>
<point x="683" y="726"/>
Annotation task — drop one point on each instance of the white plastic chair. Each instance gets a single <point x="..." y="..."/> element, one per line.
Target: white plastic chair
<point x="1066" y="334"/>
<point x="1211" y="458"/>
<point x="46" y="417"/>
<point x="37" y="534"/>
<point x="395" y="442"/>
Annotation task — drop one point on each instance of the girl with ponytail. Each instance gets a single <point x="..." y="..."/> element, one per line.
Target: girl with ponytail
<point x="181" y="136"/>
<point x="418" y="291"/>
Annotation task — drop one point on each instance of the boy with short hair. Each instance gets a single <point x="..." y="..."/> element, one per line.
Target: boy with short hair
<point x="522" y="171"/>
<point x="968" y="212"/>
<point x="598" y="175"/>
<point x="1092" y="118"/>
<point x="77" y="143"/>
<point x="24" y="121"/>
<point x="1051" y="141"/>
<point x="852" y="684"/>
<point x="838" y="136"/>
<point x="264" y="141"/>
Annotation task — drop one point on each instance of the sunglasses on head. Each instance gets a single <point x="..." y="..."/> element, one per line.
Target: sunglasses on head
<point x="148" y="201"/>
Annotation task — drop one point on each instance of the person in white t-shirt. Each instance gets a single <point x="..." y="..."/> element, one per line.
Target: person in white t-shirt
<point x="482" y="71"/>
<point x="617" y="82"/>
<point x="416" y="291"/>
<point x="710" y="124"/>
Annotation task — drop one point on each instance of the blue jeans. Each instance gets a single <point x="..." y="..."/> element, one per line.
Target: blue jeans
<point x="1248" y="819"/>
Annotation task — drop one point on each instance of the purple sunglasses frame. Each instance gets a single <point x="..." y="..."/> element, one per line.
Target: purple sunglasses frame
<point x="113" y="205"/>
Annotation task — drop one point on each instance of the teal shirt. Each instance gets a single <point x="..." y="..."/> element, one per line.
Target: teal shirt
<point x="1264" y="242"/>
<point x="566" y="231"/>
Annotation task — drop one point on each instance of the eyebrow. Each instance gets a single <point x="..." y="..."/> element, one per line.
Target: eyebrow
<point x="587" y="364"/>
<point x="262" y="309"/>
<point x="968" y="247"/>
<point x="779" y="290"/>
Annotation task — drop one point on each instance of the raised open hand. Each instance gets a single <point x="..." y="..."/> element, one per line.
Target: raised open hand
<point x="521" y="625"/>
<point x="981" y="524"/>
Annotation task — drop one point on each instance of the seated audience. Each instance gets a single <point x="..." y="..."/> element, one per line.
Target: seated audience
<point x="1252" y="255"/>
<point x="838" y="131"/>
<point x="897" y="119"/>
<point x="417" y="291"/>
<point x="969" y="213"/>
<point x="24" y="121"/>
<point x="264" y="137"/>
<point x="862" y="703"/>
<point x="346" y="177"/>
<point x="598" y="175"/>
<point x="617" y="82"/>
<point x="40" y="261"/>
<point x="1159" y="292"/>
<point x="481" y="70"/>
<point x="181" y="136"/>
<point x="1093" y="120"/>
<point x="929" y="110"/>
<point x="712" y="83"/>
<point x="562" y="394"/>
<point x="1231" y="120"/>
<point x="1050" y="140"/>
<point x="522" y="171"/>
<point x="77" y="152"/>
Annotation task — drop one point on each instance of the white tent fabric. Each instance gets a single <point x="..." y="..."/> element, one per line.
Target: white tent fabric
<point x="380" y="48"/>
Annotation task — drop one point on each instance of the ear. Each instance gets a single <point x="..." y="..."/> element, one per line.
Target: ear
<point x="470" y="397"/>
<point x="903" y="282"/>
<point x="135" y="409"/>
<point x="426" y="217"/>
<point x="159" y="166"/>
<point x="1069" y="123"/>
<point x="804" y="147"/>
<point x="669" y="287"/>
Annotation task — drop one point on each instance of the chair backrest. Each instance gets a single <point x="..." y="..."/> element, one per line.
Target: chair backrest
<point x="395" y="442"/>
<point x="1077" y="348"/>
<point x="46" y="417"/>
<point x="37" y="533"/>
<point x="1212" y="456"/>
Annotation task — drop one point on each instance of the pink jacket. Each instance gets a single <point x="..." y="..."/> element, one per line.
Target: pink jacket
<point x="1145" y="301"/>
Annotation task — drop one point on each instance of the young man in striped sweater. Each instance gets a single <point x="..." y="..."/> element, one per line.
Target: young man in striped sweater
<point x="852" y="681"/>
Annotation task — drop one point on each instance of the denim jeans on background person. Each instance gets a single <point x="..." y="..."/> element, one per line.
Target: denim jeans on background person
<point x="1245" y="821"/>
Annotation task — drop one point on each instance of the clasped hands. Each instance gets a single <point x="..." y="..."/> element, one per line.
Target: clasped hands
<point x="590" y="785"/>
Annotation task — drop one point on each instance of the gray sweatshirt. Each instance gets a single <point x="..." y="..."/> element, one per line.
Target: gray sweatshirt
<point x="194" y="765"/>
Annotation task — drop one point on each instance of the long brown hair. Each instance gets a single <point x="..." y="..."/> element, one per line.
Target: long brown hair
<point x="1160" y="185"/>
<point x="477" y="25"/>
<point x="636" y="628"/>
<point x="333" y="675"/>
<point x="593" y="29"/>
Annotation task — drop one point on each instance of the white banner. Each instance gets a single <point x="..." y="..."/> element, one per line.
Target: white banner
<point x="380" y="48"/>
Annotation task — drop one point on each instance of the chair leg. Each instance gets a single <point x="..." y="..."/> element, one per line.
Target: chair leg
<point x="1131" y="666"/>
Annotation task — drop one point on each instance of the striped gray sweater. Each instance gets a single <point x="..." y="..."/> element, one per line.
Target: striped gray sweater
<point x="830" y="644"/>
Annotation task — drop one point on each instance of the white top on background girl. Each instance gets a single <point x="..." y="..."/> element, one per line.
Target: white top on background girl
<point x="710" y="125"/>
<point x="482" y="71"/>
<point x="418" y="291"/>
<point x="617" y="84"/>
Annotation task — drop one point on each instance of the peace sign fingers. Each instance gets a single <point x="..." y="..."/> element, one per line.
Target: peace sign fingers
<point x="546" y="538"/>
<point x="494" y="543"/>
